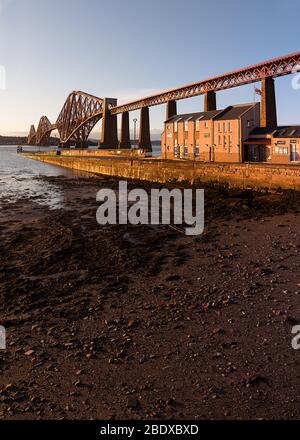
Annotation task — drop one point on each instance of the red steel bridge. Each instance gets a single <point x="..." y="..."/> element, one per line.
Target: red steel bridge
<point x="82" y="111"/>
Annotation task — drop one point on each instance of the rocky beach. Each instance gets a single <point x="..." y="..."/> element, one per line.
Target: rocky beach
<point x="144" y="322"/>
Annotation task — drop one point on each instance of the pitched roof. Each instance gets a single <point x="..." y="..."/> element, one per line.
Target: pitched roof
<point x="235" y="111"/>
<point x="201" y="116"/>
<point x="287" y="131"/>
<point x="260" y="131"/>
<point x="231" y="112"/>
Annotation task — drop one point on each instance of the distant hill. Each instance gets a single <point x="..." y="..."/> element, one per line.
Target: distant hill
<point x="12" y="140"/>
<point x="22" y="140"/>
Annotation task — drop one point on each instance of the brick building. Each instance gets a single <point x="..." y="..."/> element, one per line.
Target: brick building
<point x="230" y="135"/>
<point x="275" y="145"/>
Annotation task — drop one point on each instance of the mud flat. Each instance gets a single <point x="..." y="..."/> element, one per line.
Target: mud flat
<point x="144" y="322"/>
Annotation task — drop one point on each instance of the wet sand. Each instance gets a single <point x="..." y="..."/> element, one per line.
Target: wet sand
<point x="144" y="322"/>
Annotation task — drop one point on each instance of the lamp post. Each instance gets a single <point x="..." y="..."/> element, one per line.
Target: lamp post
<point x="134" y="133"/>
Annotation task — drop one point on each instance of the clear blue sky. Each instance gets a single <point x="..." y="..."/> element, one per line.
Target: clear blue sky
<point x="129" y="48"/>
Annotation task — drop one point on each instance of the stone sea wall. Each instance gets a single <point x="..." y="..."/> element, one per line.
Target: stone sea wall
<point x="157" y="170"/>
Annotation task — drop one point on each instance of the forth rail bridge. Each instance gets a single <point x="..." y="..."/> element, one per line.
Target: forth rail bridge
<point x="82" y="111"/>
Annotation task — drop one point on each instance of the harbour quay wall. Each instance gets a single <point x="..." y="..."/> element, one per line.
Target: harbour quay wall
<point x="240" y="175"/>
<point x="89" y="153"/>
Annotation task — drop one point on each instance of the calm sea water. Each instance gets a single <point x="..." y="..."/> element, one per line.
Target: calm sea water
<point x="21" y="178"/>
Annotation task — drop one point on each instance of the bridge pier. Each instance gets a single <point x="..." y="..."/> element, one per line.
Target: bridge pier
<point x="125" y="133"/>
<point x="145" y="138"/>
<point x="268" y="111"/>
<point x="210" y="101"/>
<point x="109" y="137"/>
<point x="171" y="109"/>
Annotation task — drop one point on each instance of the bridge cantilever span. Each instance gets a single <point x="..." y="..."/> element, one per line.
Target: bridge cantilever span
<point x="78" y="117"/>
<point x="76" y="120"/>
<point x="44" y="130"/>
<point x="32" y="136"/>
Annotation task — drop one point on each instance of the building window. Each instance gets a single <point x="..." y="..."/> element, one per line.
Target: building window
<point x="229" y="126"/>
<point x="206" y="124"/>
<point x="176" y="127"/>
<point x="219" y="140"/>
<point x="169" y="127"/>
<point x="249" y="124"/>
<point x="281" y="150"/>
<point x="186" y="126"/>
<point x="219" y="127"/>
<point x="186" y="152"/>
<point x="197" y="125"/>
<point x="229" y="143"/>
<point x="224" y="127"/>
<point x="197" y="151"/>
<point x="224" y="139"/>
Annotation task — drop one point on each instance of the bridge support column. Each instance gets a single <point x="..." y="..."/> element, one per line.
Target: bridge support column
<point x="109" y="137"/>
<point x="268" y="111"/>
<point x="171" y="109"/>
<point x="145" y="138"/>
<point x="210" y="101"/>
<point x="125" y="134"/>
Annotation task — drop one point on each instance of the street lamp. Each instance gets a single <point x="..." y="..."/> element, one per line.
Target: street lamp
<point x="134" y="133"/>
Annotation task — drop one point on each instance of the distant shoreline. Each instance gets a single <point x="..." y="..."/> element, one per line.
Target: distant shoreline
<point x="21" y="140"/>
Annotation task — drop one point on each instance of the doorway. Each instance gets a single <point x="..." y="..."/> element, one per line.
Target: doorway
<point x="294" y="151"/>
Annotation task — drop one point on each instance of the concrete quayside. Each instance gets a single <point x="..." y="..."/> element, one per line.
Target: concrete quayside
<point x="133" y="164"/>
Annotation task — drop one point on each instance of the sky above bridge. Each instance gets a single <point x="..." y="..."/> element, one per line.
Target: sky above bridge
<point x="127" y="49"/>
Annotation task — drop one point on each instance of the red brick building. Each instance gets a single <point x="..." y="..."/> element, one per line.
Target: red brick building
<point x="275" y="145"/>
<point x="229" y="135"/>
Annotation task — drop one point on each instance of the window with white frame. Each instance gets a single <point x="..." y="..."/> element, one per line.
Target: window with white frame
<point x="229" y="143"/>
<point x="176" y="149"/>
<point x="281" y="150"/>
